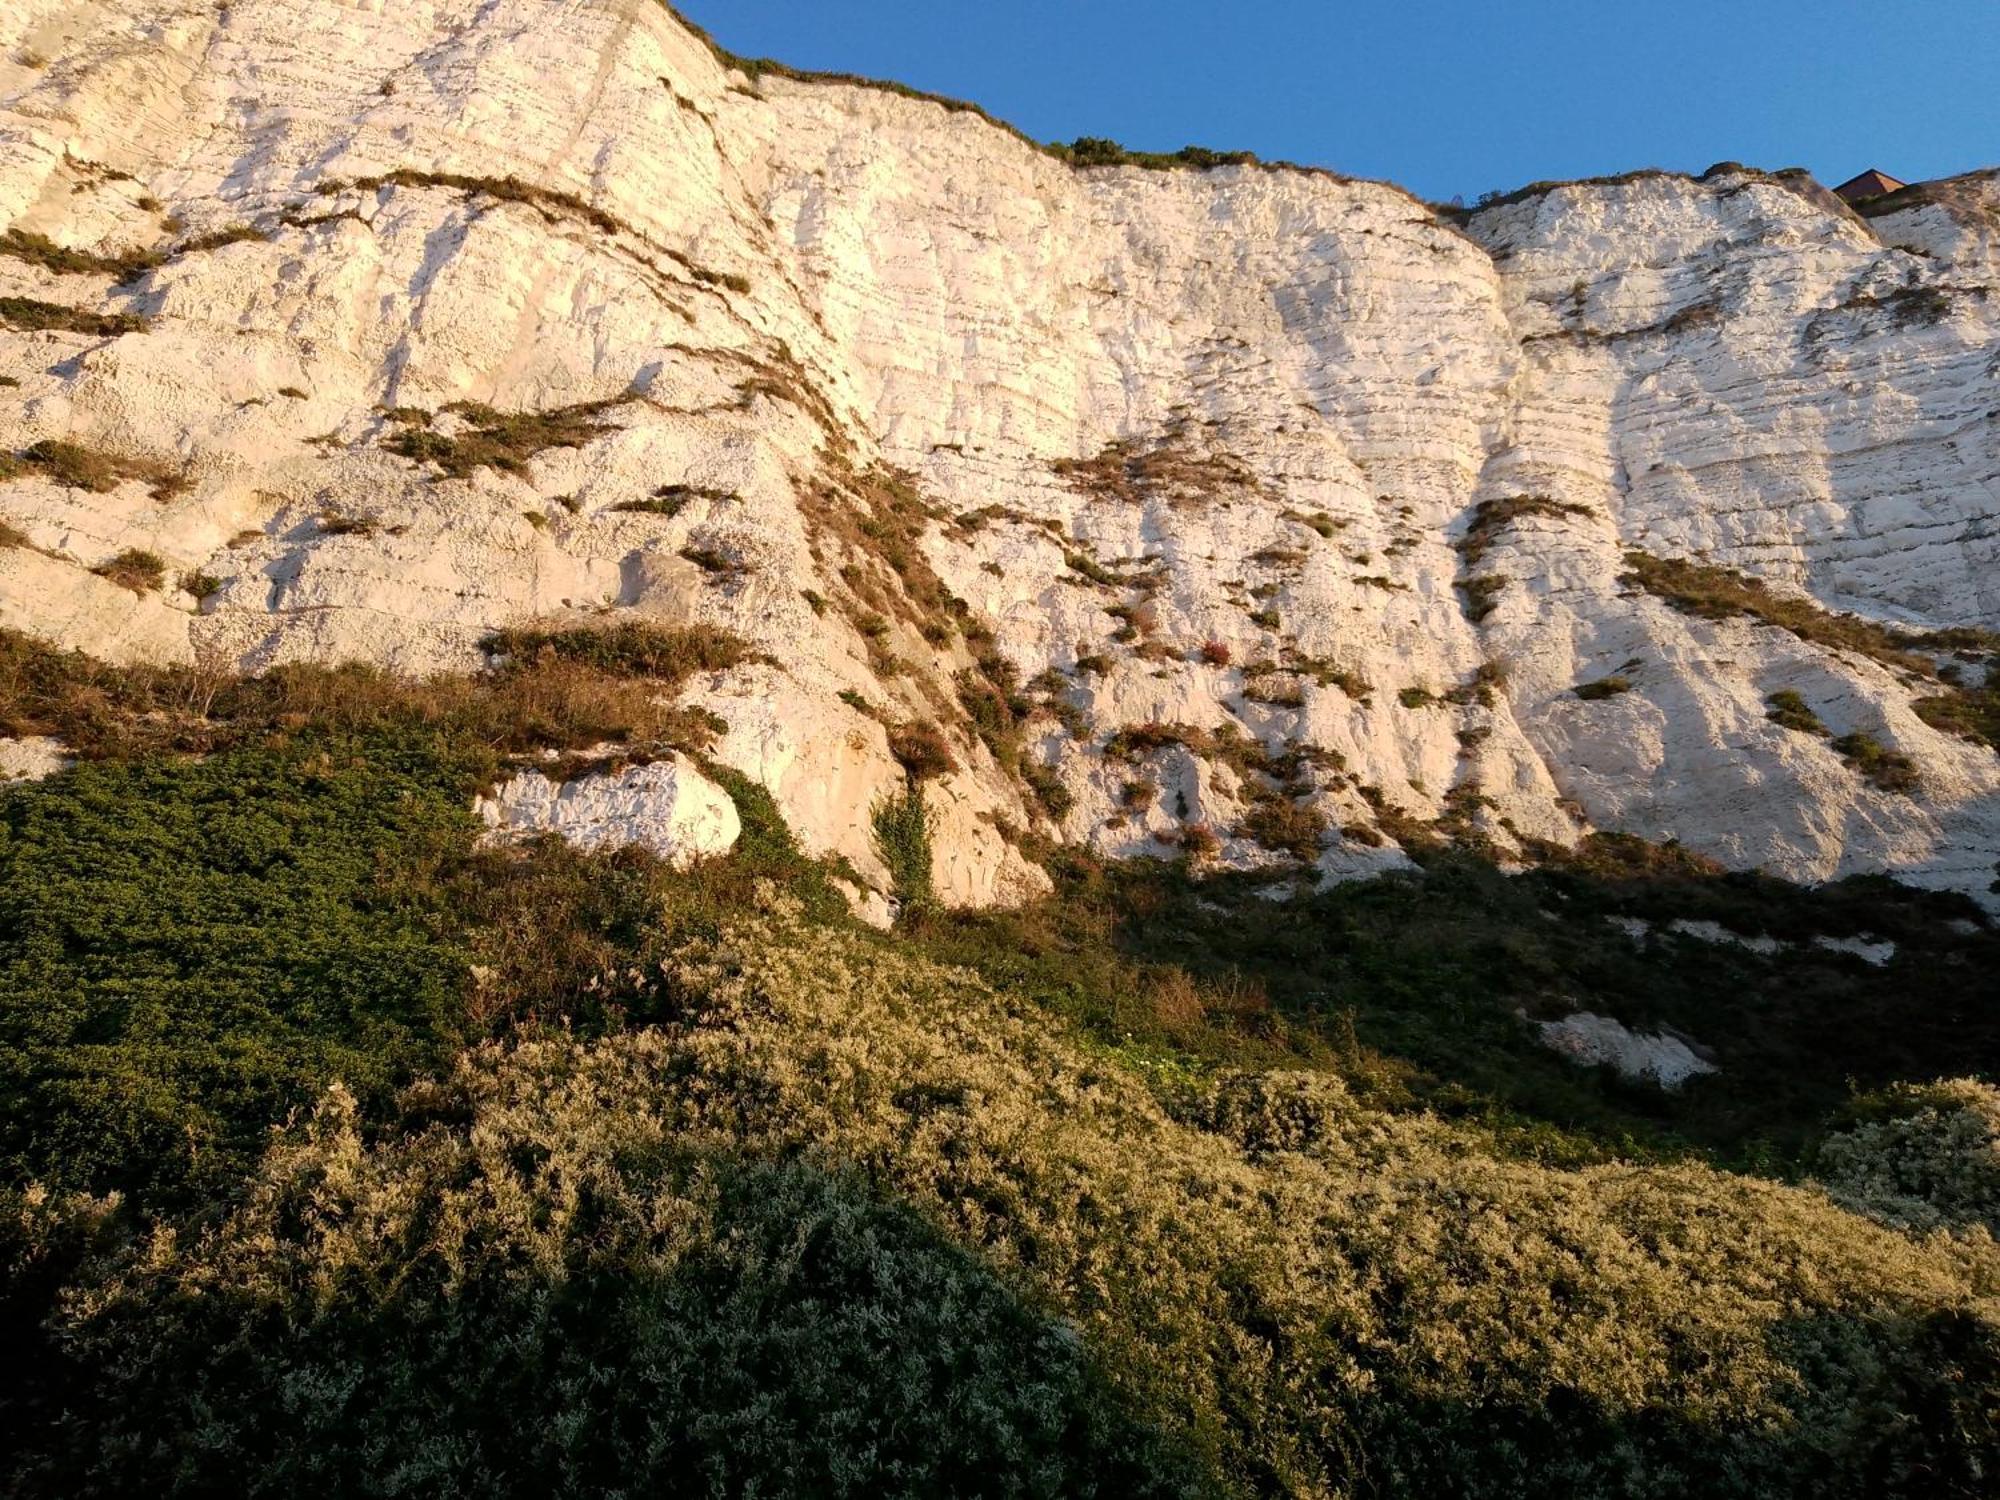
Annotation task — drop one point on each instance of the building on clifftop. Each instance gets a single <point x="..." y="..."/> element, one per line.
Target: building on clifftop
<point x="1872" y="183"/>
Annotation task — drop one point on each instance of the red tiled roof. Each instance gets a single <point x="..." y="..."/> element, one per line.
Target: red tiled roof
<point x="1870" y="184"/>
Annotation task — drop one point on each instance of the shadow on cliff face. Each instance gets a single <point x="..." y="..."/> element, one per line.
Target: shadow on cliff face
<point x="1422" y="989"/>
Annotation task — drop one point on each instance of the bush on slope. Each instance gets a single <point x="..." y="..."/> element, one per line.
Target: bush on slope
<point x="1923" y="1156"/>
<point x="1310" y="1296"/>
<point x="188" y="949"/>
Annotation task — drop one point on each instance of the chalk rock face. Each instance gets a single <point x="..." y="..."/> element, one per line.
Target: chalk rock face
<point x="666" y="806"/>
<point x="452" y="315"/>
<point x="31" y="758"/>
<point x="1648" y="1057"/>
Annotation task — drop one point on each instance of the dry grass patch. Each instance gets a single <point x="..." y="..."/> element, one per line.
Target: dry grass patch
<point x="719" y="565"/>
<point x="665" y="653"/>
<point x="1789" y="710"/>
<point x="33" y="316"/>
<point x="216" y="239"/>
<point x="1889" y="770"/>
<point x="1275" y="690"/>
<point x="77" y="467"/>
<point x="40" y="250"/>
<point x="549" y="202"/>
<point x="1716" y="593"/>
<point x="499" y="440"/>
<point x="1171" y="472"/>
<point x="550" y="690"/>
<point x="1286" y="825"/>
<point x="141" y="572"/>
<point x="922" y="750"/>
<point x="670" y="500"/>
<point x="868" y="528"/>
<point x="1970" y="714"/>
<point x="1491" y="517"/>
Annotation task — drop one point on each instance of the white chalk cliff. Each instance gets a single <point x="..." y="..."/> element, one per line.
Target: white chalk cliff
<point x="1257" y="410"/>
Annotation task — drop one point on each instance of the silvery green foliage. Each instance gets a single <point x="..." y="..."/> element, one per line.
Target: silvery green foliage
<point x="541" y="1285"/>
<point x="859" y="1225"/>
<point x="1934" y="1162"/>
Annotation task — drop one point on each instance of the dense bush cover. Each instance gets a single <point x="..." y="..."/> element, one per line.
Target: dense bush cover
<point x="550" y="1286"/>
<point x="189" y="949"/>
<point x="664" y="1261"/>
<point x="344" y="1156"/>
<point x="1928" y="1156"/>
<point x="1413" y="989"/>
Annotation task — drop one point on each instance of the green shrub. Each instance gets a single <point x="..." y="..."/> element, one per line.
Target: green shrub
<point x="32" y="316"/>
<point x="1491" y="517"/>
<point x="1286" y="825"/>
<point x="671" y="499"/>
<point x="1891" y="770"/>
<point x="1972" y="714"/>
<point x="1412" y="987"/>
<point x="1922" y="1155"/>
<point x="715" y="562"/>
<point x="667" y="653"/>
<point x="1096" y="151"/>
<point x="1329" y="673"/>
<point x="141" y="572"/>
<point x="575" y="1296"/>
<point x="189" y="949"/>
<point x="1603" y="687"/>
<point x="217" y="239"/>
<point x="40" y="250"/>
<point x="1089" y="567"/>
<point x="550" y="202"/>
<point x="1790" y="710"/>
<point x="92" y="469"/>
<point x="1482" y="595"/>
<point x="499" y="440"/>
<point x="903" y="840"/>
<point x="674" y="1247"/>
<point x="1319" y="521"/>
<point x="1275" y="689"/>
<point x="1055" y="798"/>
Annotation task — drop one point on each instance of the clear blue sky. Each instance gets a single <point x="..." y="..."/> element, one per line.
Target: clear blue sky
<point x="1444" y="96"/>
